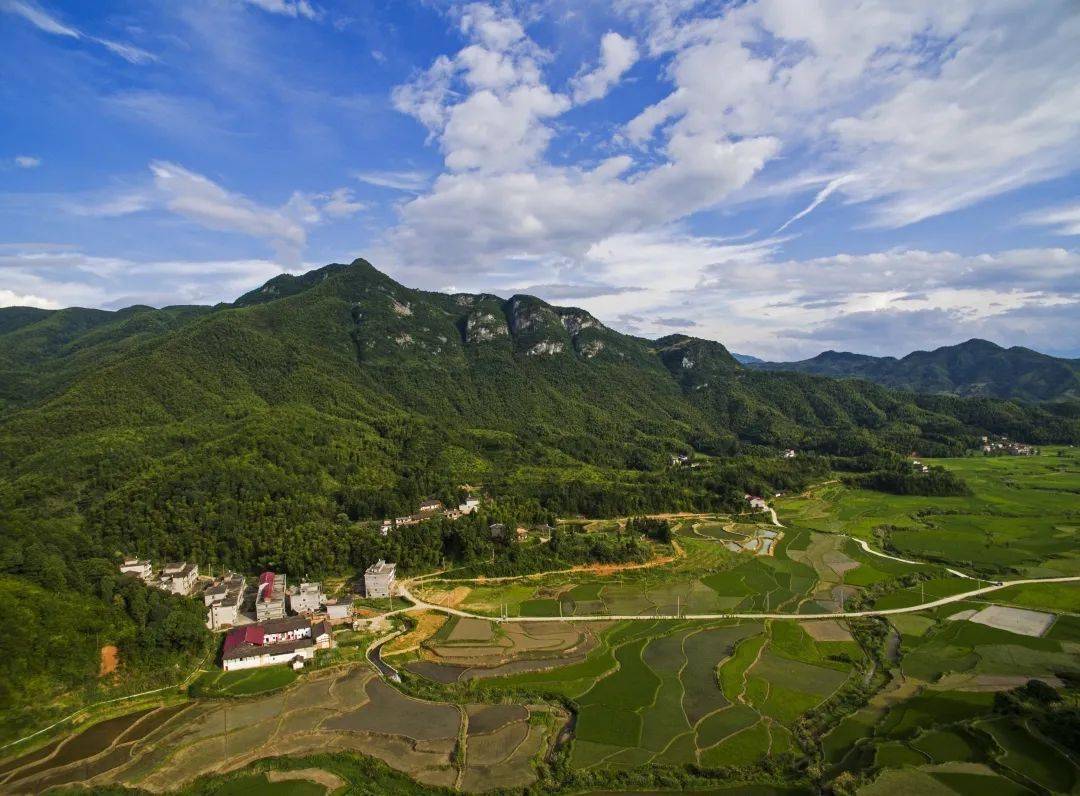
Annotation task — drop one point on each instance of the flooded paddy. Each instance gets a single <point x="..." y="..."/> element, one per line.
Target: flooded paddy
<point x="353" y="711"/>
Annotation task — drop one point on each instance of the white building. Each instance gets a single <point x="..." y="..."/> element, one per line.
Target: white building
<point x="290" y="641"/>
<point x="179" y="577"/>
<point x="469" y="506"/>
<point x="338" y="611"/>
<point x="137" y="567"/>
<point x="308" y="600"/>
<point x="788" y="454"/>
<point x="270" y="597"/>
<point x="223" y="600"/>
<point x="379" y="579"/>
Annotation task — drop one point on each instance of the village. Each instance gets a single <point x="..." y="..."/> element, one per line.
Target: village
<point x="270" y="622"/>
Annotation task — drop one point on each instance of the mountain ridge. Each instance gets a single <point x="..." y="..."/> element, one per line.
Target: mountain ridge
<point x="973" y="368"/>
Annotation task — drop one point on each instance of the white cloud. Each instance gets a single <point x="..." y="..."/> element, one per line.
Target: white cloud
<point x="39" y="19"/>
<point x="54" y="277"/>
<point x="829" y="189"/>
<point x="1064" y="220"/>
<point x="617" y="55"/>
<point x="288" y="8"/>
<point x="47" y="23"/>
<point x="199" y="199"/>
<point x="490" y="110"/>
<point x="412" y="181"/>
<point x="936" y="106"/>
<point x="27" y="161"/>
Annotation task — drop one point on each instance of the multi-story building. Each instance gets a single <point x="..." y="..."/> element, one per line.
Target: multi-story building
<point x="137" y="567"/>
<point x="223" y="601"/>
<point x="270" y="597"/>
<point x="179" y="577"/>
<point x="307" y="600"/>
<point x="379" y="579"/>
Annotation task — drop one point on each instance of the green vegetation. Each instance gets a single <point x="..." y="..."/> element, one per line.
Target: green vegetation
<point x="977" y="367"/>
<point x="245" y="682"/>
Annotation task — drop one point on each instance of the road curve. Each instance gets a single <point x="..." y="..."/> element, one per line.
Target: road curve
<point x="420" y="605"/>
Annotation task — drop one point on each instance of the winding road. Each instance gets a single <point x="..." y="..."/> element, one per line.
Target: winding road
<point x="421" y="605"/>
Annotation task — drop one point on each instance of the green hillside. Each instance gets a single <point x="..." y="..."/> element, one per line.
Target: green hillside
<point x="274" y="431"/>
<point x="974" y="368"/>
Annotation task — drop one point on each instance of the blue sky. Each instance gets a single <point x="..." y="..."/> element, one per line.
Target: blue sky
<point x="781" y="175"/>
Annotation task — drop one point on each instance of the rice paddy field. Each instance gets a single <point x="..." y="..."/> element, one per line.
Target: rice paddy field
<point x="925" y="701"/>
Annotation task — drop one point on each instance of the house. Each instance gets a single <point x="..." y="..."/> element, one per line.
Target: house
<point x="379" y="579"/>
<point x="270" y="597"/>
<point x="137" y="567"/>
<point x="386" y="527"/>
<point x="788" y="454"/>
<point x="469" y="506"/>
<point x="307" y="600"/>
<point x="223" y="600"/>
<point x="179" y="577"/>
<point x="337" y="611"/>
<point x="290" y="641"/>
<point x="430" y="506"/>
<point x="678" y="459"/>
<point x="497" y="530"/>
<point x="522" y="534"/>
<point x="756" y="502"/>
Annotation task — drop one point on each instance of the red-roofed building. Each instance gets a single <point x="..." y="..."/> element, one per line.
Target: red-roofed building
<point x="270" y="601"/>
<point x="292" y="641"/>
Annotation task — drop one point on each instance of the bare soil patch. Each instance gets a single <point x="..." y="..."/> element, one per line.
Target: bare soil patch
<point x="427" y="625"/>
<point x="1015" y="620"/>
<point x="317" y="775"/>
<point x="826" y="630"/>
<point x="110" y="660"/>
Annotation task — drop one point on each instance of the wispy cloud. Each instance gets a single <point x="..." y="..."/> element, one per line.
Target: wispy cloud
<point x="821" y="196"/>
<point x="412" y="181"/>
<point x="47" y="23"/>
<point x="288" y="8"/>
<point x="1064" y="220"/>
<point x="27" y="161"/>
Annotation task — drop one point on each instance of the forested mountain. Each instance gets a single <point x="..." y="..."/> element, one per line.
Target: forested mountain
<point x="974" y="368"/>
<point x="275" y="430"/>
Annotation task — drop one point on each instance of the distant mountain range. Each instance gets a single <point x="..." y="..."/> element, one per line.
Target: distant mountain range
<point x="976" y="368"/>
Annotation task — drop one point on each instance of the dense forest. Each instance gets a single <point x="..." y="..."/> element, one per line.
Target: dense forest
<point x="278" y="430"/>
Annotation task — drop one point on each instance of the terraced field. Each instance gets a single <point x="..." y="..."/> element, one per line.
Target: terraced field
<point x="354" y="711"/>
<point x="933" y="701"/>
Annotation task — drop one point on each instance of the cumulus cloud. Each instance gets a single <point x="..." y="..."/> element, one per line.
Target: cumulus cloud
<point x="490" y="110"/>
<point x="617" y="55"/>
<point x="936" y="106"/>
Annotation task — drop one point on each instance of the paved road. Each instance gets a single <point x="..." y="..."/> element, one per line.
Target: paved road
<point x="952" y="598"/>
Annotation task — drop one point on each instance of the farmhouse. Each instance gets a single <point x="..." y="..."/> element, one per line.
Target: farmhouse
<point x="293" y="641"/>
<point x="788" y="454"/>
<point x="497" y="530"/>
<point x="270" y="597"/>
<point x="379" y="579"/>
<point x="223" y="600"/>
<point x="179" y="577"/>
<point x="469" y="506"/>
<point x="137" y="567"/>
<point x="307" y="600"/>
<point x="756" y="502"/>
<point x="430" y="506"/>
<point x="337" y="611"/>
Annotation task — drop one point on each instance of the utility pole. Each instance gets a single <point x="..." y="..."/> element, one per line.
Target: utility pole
<point x="678" y="606"/>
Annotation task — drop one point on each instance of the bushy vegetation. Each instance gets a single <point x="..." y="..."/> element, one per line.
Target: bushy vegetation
<point x="276" y="432"/>
<point x="902" y="480"/>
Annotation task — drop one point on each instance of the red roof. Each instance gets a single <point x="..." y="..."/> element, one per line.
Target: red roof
<point x="266" y="579"/>
<point x="250" y="634"/>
